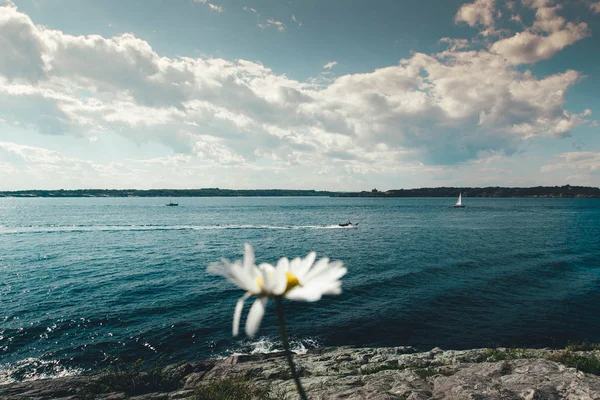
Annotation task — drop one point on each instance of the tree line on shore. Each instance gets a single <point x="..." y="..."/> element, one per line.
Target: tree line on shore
<point x="566" y="191"/>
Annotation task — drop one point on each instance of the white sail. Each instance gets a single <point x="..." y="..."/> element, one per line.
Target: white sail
<point x="459" y="202"/>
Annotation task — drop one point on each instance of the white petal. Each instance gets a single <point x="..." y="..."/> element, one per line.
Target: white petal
<point x="304" y="293"/>
<point x="295" y="264"/>
<point x="266" y="273"/>
<point x="332" y="288"/>
<point x="305" y="265"/>
<point x="283" y="264"/>
<point x="236" y="275"/>
<point x="237" y="314"/>
<point x="219" y="268"/>
<point x="334" y="272"/>
<point x="319" y="267"/>
<point x="248" y="257"/>
<point x="266" y="267"/>
<point x="255" y="315"/>
<point x="244" y="278"/>
<point x="279" y="277"/>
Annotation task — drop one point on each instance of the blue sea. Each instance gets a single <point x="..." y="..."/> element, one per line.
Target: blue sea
<point x="86" y="283"/>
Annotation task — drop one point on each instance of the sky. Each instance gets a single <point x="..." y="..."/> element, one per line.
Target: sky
<point x="301" y="94"/>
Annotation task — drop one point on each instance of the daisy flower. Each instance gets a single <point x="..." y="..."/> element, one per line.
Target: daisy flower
<point x="298" y="279"/>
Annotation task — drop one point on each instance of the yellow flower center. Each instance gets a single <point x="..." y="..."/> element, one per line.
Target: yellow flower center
<point x="292" y="282"/>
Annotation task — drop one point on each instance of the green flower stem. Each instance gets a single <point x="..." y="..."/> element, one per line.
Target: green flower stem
<point x="286" y="345"/>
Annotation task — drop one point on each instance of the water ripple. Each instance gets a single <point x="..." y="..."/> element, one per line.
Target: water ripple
<point x="88" y="283"/>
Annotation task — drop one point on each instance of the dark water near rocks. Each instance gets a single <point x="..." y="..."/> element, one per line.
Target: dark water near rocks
<point x="86" y="283"/>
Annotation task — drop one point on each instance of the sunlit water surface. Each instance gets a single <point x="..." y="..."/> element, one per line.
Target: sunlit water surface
<point x="90" y="282"/>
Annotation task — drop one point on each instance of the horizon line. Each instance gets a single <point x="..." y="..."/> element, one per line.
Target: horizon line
<point x="298" y="190"/>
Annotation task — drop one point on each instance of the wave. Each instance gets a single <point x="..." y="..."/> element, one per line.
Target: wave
<point x="31" y="369"/>
<point x="116" y="228"/>
<point x="266" y="345"/>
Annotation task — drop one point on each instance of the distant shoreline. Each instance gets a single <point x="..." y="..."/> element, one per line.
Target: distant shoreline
<point x="566" y="191"/>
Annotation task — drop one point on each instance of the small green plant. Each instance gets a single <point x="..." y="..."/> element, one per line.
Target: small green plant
<point x="582" y="346"/>
<point x="589" y="364"/>
<point x="494" y="355"/>
<point x="236" y="389"/>
<point x="585" y="363"/>
<point x="133" y="381"/>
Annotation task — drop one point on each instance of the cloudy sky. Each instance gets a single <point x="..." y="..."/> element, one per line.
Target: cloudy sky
<point x="306" y="94"/>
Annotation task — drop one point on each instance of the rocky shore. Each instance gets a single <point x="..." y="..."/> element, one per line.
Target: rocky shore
<point x="346" y="373"/>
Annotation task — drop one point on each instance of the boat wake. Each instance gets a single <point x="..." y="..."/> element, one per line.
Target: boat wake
<point x="114" y="228"/>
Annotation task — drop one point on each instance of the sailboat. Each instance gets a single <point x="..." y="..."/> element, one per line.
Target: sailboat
<point x="459" y="203"/>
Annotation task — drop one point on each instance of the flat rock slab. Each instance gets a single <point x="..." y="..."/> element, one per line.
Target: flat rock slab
<point x="362" y="373"/>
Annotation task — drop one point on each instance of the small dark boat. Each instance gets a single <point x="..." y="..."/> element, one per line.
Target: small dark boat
<point x="349" y="224"/>
<point x="171" y="204"/>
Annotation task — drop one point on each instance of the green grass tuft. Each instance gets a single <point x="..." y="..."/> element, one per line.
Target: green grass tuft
<point x="236" y="389"/>
<point x="132" y="381"/>
<point x="494" y="355"/>
<point x="582" y="346"/>
<point x="584" y="363"/>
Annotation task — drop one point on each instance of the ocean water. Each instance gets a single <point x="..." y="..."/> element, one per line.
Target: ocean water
<point x="86" y="283"/>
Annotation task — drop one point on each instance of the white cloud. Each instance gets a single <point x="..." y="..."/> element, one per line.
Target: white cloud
<point x="516" y="18"/>
<point x="546" y="17"/>
<point x="549" y="34"/>
<point x="595" y="7"/>
<point x="37" y="167"/>
<point x="296" y="21"/>
<point x="211" y="6"/>
<point x="273" y="23"/>
<point x="32" y="154"/>
<point x="480" y="12"/>
<point x="578" y="167"/>
<point x="215" y="7"/>
<point x="330" y="64"/>
<point x="528" y="47"/>
<point x="438" y="109"/>
<point x="20" y="51"/>
<point x="250" y="9"/>
<point x="455" y="44"/>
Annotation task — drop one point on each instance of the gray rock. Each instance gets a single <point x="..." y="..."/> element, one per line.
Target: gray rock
<point x="181" y="394"/>
<point x="517" y="379"/>
<point x="193" y="379"/>
<point x="365" y="373"/>
<point x="178" y="371"/>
